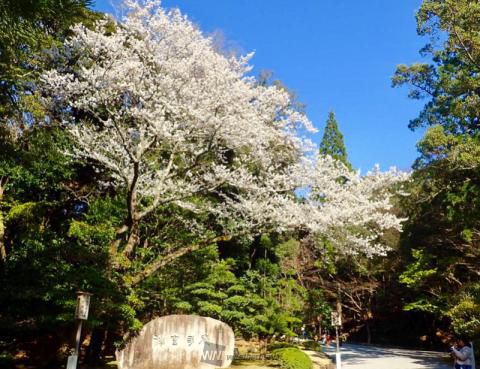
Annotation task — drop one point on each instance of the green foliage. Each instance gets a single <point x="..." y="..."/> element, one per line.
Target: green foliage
<point x="451" y="81"/>
<point x="444" y="217"/>
<point x="312" y="345"/>
<point x="465" y="314"/>
<point x="255" y="298"/>
<point x="419" y="272"/>
<point x="279" y="345"/>
<point x="237" y="301"/>
<point x="423" y="304"/>
<point x="27" y="29"/>
<point x="318" y="307"/>
<point x="332" y="142"/>
<point x="440" y="240"/>
<point x="292" y="358"/>
<point x="452" y="151"/>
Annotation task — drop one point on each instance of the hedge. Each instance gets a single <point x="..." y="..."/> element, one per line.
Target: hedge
<point x="312" y="345"/>
<point x="279" y="345"/>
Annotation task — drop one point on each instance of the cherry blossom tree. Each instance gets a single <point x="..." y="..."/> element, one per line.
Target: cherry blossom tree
<point x="172" y="120"/>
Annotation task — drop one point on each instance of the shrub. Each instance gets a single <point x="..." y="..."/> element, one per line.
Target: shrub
<point x="292" y="358"/>
<point x="465" y="314"/>
<point x="279" y="345"/>
<point x="312" y="345"/>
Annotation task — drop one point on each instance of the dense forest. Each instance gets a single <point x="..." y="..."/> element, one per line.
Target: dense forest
<point x="143" y="164"/>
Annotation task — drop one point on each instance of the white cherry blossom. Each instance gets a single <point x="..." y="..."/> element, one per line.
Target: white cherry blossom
<point x="171" y="119"/>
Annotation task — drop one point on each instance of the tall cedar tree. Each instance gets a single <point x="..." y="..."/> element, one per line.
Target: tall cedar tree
<point x="332" y="142"/>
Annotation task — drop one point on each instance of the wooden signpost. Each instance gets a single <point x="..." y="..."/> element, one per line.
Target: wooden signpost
<point x="81" y="314"/>
<point x="337" y="322"/>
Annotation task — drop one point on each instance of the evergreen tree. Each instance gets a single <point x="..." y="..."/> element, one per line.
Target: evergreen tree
<point x="332" y="142"/>
<point x="442" y="235"/>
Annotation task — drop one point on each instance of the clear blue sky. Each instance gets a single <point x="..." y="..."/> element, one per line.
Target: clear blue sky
<point x="336" y="55"/>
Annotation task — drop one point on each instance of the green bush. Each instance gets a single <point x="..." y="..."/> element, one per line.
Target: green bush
<point x="465" y="314"/>
<point x="279" y="345"/>
<point x="292" y="358"/>
<point x="312" y="345"/>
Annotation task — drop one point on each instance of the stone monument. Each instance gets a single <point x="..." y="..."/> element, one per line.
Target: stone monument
<point x="179" y="342"/>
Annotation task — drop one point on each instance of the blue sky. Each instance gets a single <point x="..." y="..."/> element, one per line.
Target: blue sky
<point x="336" y="55"/>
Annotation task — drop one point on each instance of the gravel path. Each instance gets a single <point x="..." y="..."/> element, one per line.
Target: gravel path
<point x="371" y="357"/>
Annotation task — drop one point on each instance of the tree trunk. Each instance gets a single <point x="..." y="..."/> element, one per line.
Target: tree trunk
<point x="133" y="216"/>
<point x="95" y="348"/>
<point x="3" y="250"/>
<point x="369" y="333"/>
<point x="133" y="236"/>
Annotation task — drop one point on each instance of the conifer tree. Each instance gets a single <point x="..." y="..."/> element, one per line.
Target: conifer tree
<point x="332" y="142"/>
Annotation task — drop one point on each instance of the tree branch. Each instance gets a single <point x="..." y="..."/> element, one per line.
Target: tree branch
<point x="166" y="259"/>
<point x="462" y="43"/>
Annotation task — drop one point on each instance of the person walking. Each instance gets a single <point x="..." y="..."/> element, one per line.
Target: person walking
<point x="462" y="352"/>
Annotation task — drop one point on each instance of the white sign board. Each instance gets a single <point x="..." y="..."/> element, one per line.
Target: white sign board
<point x="83" y="304"/>
<point x="336" y="319"/>
<point x="72" y="362"/>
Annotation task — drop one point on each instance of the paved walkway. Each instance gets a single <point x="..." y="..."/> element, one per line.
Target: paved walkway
<point x="320" y="361"/>
<point x="371" y="357"/>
